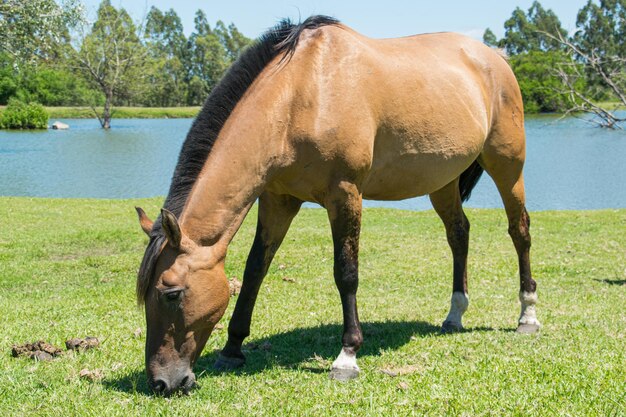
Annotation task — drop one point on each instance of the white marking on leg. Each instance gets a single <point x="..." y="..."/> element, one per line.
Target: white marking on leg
<point x="458" y="304"/>
<point x="346" y="360"/>
<point x="529" y="314"/>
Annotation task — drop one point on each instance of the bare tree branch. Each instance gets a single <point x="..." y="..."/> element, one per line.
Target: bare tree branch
<point x="597" y="64"/>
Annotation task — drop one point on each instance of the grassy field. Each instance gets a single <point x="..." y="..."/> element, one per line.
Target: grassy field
<point x="67" y="269"/>
<point x="125" y="112"/>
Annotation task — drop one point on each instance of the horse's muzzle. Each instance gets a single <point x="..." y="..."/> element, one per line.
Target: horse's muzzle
<point x="163" y="384"/>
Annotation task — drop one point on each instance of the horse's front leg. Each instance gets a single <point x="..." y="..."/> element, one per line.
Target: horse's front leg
<point x="275" y="215"/>
<point x="344" y="212"/>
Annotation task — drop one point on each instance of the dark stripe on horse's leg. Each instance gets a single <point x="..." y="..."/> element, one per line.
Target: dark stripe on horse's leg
<point x="447" y="204"/>
<point x="275" y="216"/>
<point x="520" y="233"/>
<point x="344" y="212"/>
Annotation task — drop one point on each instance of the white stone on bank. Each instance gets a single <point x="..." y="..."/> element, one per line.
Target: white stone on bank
<point x="60" y="126"/>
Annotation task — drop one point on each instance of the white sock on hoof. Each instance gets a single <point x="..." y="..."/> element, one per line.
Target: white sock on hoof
<point x="458" y="304"/>
<point x="346" y="360"/>
<point x="529" y="314"/>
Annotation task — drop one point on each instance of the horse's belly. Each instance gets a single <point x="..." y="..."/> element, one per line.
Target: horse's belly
<point x="405" y="167"/>
<point x="411" y="176"/>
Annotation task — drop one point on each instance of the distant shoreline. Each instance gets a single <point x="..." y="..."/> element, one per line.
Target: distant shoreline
<point x="125" y="112"/>
<point x="172" y="112"/>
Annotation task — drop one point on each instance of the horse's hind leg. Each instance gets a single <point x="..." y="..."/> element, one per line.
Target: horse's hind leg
<point x="447" y="204"/>
<point x="275" y="215"/>
<point x="504" y="164"/>
<point x="519" y="225"/>
<point x="344" y="212"/>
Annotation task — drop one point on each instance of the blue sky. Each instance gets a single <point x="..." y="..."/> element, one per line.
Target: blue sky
<point x="386" y="18"/>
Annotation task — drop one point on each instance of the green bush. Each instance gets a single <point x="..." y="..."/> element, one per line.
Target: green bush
<point x="541" y="87"/>
<point x="19" y="115"/>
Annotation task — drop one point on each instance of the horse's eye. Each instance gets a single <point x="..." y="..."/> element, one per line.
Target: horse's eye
<point x="173" y="295"/>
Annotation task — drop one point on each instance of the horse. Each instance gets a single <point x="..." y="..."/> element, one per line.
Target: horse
<point x="316" y="112"/>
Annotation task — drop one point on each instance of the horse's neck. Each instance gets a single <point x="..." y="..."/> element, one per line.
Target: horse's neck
<point x="231" y="180"/>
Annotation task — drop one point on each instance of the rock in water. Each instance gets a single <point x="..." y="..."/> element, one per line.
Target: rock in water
<point x="60" y="126"/>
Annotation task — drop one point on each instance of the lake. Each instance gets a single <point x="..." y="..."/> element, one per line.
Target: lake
<point x="570" y="164"/>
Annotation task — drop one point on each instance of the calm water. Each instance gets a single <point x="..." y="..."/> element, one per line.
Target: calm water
<point x="570" y="165"/>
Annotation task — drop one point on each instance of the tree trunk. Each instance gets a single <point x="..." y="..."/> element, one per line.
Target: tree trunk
<point x="106" y="114"/>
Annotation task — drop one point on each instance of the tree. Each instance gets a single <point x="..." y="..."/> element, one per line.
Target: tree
<point x="8" y="78"/>
<point x="33" y="28"/>
<point x="542" y="89"/>
<point x="112" y="57"/>
<point x="231" y="39"/>
<point x="212" y="52"/>
<point x="529" y="40"/>
<point x="600" y="44"/>
<point x="52" y="85"/>
<point x="599" y="51"/>
<point x="111" y="61"/>
<point x="169" y="55"/>
<point x="526" y="32"/>
<point x="208" y="58"/>
<point x="490" y="38"/>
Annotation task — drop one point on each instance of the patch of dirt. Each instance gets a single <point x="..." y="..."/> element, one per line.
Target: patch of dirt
<point x="82" y="344"/>
<point x="234" y="285"/>
<point x="288" y="279"/>
<point x="403" y="386"/>
<point x="402" y="370"/>
<point x="40" y="350"/>
<point x="94" y="375"/>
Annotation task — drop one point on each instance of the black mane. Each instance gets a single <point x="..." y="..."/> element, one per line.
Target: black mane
<point x="280" y="40"/>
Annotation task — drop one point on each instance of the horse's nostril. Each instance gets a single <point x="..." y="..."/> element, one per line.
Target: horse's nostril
<point x="159" y="386"/>
<point x="188" y="382"/>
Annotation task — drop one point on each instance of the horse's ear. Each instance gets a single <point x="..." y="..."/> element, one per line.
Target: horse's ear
<point x="144" y="221"/>
<point x="171" y="228"/>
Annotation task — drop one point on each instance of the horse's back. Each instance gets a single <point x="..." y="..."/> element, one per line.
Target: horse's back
<point x="409" y="114"/>
<point x="443" y="96"/>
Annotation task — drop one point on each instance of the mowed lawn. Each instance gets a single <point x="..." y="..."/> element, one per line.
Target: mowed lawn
<point x="67" y="269"/>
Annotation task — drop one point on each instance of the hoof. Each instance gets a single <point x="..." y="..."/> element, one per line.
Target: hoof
<point x="527" y="328"/>
<point x="450" y="327"/>
<point x="339" y="374"/>
<point x="224" y="363"/>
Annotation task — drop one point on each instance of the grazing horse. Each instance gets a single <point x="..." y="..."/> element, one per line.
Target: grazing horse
<point x="318" y="112"/>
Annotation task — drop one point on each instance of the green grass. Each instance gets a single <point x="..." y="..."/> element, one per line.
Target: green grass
<point x="125" y="112"/>
<point x="610" y="105"/>
<point x="67" y="269"/>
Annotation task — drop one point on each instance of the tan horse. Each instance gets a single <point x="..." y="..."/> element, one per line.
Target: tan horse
<point x="317" y="112"/>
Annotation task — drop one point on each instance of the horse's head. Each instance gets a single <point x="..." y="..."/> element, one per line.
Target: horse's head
<point x="186" y="296"/>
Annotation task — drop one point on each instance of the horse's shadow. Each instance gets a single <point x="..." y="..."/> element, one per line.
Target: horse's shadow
<point x="611" y="281"/>
<point x="310" y="349"/>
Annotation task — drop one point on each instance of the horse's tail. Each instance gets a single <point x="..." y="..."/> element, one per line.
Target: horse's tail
<point x="469" y="179"/>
